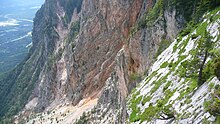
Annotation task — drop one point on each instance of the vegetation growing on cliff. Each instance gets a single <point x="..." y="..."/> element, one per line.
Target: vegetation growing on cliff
<point x="180" y="74"/>
<point x="213" y="105"/>
<point x="191" y="10"/>
<point x="21" y="80"/>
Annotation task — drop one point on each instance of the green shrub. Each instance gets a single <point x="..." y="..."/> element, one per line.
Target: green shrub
<point x="213" y="105"/>
<point x="164" y="65"/>
<point x="216" y="67"/>
<point x="152" y="14"/>
<point x="135" y="109"/>
<point x="146" y="99"/>
<point x="74" y="29"/>
<point x="135" y="77"/>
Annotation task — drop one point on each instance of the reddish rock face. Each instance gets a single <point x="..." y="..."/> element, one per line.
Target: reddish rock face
<point x="104" y="30"/>
<point x="97" y="61"/>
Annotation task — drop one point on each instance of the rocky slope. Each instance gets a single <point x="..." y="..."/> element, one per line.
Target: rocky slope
<point x="87" y="55"/>
<point x="173" y="92"/>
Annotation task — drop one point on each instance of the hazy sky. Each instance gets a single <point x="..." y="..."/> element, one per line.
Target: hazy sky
<point x="20" y="2"/>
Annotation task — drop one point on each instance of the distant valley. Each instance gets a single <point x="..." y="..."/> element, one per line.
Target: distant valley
<point x="16" y="22"/>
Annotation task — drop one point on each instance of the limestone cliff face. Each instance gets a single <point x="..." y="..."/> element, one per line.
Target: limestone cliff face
<point x="91" y="55"/>
<point x="173" y="92"/>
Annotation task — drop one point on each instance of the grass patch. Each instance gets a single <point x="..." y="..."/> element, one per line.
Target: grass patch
<point x="146" y="99"/>
<point x="164" y="65"/>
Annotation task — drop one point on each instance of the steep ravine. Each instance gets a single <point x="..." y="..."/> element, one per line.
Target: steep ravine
<point x="87" y="56"/>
